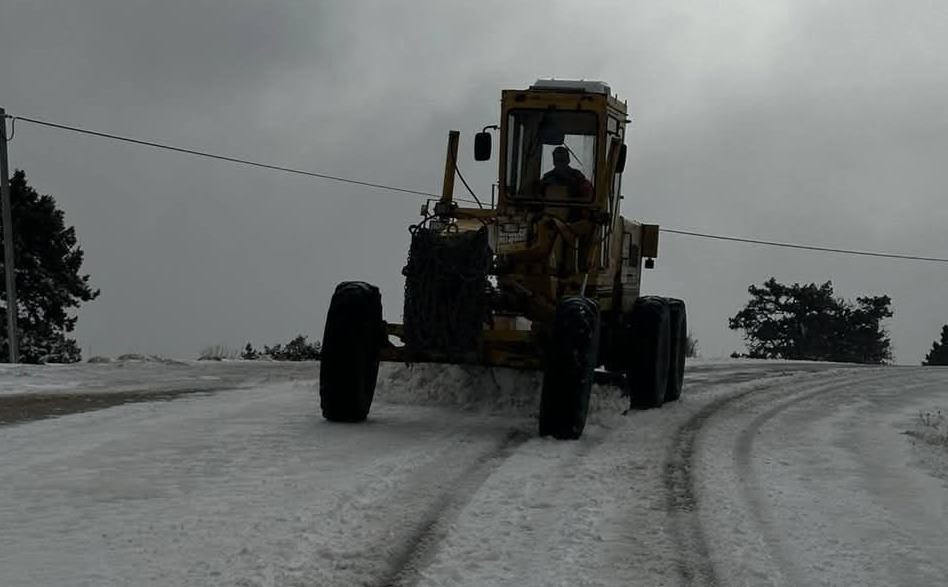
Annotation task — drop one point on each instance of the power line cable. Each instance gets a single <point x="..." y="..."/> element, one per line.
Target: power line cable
<point x="805" y="247"/>
<point x="227" y="158"/>
<point x="457" y="170"/>
<point x="336" y="178"/>
<point x="470" y="191"/>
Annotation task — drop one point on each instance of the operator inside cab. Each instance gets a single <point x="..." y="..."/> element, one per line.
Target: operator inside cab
<point x="563" y="175"/>
<point x="546" y="149"/>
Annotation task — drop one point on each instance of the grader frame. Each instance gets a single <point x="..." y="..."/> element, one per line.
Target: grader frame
<point x="564" y="273"/>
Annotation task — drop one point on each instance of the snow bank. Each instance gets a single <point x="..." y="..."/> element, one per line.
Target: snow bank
<point x="146" y="374"/>
<point x="483" y="389"/>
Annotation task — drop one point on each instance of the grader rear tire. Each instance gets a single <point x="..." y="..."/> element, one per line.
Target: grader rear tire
<point x="651" y="352"/>
<point x="352" y="341"/>
<point x="570" y="360"/>
<point x="679" y="344"/>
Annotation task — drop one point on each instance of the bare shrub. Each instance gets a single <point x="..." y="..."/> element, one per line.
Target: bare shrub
<point x="932" y="428"/>
<point x="691" y="346"/>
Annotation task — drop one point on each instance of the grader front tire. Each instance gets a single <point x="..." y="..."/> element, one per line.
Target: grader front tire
<point x="570" y="360"/>
<point x="352" y="342"/>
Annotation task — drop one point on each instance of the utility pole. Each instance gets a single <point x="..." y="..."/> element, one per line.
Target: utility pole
<point x="7" y="218"/>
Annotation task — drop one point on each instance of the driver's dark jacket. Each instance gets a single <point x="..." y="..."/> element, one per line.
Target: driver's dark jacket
<point x="573" y="179"/>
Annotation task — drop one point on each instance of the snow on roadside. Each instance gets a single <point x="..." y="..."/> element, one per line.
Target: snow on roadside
<point x="255" y="489"/>
<point x="149" y="374"/>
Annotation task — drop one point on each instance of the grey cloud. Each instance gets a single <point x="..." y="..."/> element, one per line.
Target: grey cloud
<point x="802" y="121"/>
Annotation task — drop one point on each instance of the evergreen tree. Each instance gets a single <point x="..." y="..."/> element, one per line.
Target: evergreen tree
<point x="939" y="353"/>
<point x="249" y="353"/>
<point x="297" y="349"/>
<point x="806" y="322"/>
<point x="49" y="284"/>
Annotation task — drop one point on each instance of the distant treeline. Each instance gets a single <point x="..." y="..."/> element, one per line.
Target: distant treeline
<point x="298" y="349"/>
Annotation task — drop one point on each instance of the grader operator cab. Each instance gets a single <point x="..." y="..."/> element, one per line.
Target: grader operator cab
<point x="548" y="278"/>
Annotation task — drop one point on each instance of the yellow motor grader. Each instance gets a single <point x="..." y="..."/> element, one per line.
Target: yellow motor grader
<point x="548" y="277"/>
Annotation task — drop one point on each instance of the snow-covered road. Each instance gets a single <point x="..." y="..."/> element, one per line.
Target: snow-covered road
<point x="819" y="485"/>
<point x="766" y="473"/>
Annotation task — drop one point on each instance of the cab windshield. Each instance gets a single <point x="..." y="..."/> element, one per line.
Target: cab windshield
<point x="551" y="155"/>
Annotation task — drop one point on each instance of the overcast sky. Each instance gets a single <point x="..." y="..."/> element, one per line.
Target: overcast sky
<point x="805" y="121"/>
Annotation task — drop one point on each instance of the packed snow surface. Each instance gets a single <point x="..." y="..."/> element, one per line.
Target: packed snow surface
<point x="764" y="474"/>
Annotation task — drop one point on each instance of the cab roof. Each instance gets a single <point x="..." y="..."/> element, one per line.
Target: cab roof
<point x="572" y="85"/>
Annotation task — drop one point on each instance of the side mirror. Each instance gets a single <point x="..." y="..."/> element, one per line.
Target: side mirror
<point x="482" y="146"/>
<point x="620" y="162"/>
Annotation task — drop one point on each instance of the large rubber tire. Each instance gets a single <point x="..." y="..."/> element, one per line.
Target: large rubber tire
<point x="679" y="348"/>
<point x="352" y="342"/>
<point x="651" y="352"/>
<point x="570" y="361"/>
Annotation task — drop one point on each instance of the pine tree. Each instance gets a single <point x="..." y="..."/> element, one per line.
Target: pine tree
<point x="249" y="353"/>
<point x="807" y="322"/>
<point x="48" y="261"/>
<point x="939" y="353"/>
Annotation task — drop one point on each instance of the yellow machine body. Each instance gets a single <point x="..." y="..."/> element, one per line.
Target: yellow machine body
<point x="548" y="240"/>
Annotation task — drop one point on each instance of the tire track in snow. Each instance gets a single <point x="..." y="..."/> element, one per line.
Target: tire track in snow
<point x="681" y="482"/>
<point x="694" y="563"/>
<point x="549" y="525"/>
<point x="421" y="542"/>
<point x="425" y="544"/>
<point x="751" y="491"/>
<point x="416" y="526"/>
